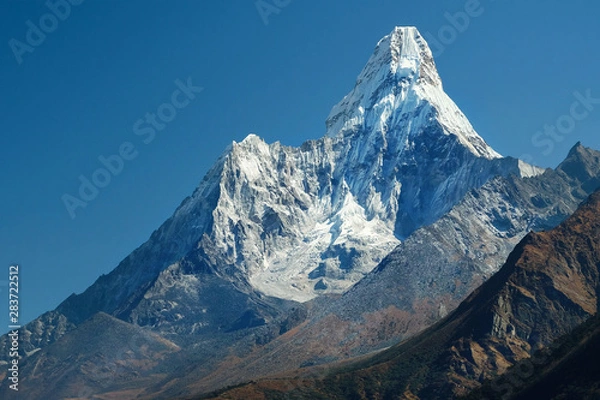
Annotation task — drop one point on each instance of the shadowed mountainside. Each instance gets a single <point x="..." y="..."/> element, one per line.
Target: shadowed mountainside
<point x="568" y="369"/>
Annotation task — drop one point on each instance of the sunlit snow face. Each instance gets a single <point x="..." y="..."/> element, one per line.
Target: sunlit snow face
<point x="397" y="93"/>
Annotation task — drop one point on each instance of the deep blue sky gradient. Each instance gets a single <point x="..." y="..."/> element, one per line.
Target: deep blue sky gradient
<point x="78" y="94"/>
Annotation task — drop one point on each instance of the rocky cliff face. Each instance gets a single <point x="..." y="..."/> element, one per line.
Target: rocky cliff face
<point x="568" y="369"/>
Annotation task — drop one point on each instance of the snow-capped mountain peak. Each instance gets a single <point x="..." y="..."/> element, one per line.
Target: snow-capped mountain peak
<point x="398" y="92"/>
<point x="407" y="55"/>
<point x="296" y="222"/>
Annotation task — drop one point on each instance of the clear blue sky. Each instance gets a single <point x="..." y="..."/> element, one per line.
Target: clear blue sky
<point x="77" y="95"/>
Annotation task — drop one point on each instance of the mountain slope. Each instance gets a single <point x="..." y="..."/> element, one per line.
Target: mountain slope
<point x="96" y="355"/>
<point x="568" y="369"/>
<point x="548" y="286"/>
<point x="429" y="274"/>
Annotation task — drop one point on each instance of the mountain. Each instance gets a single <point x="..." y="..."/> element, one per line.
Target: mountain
<point x="273" y="234"/>
<point x="398" y="154"/>
<point x="294" y="223"/>
<point x="548" y="286"/>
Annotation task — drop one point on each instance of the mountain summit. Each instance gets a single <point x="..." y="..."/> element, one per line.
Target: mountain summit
<point x="398" y="92"/>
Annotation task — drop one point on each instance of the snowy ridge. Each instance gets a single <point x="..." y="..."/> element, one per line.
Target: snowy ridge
<point x="282" y="219"/>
